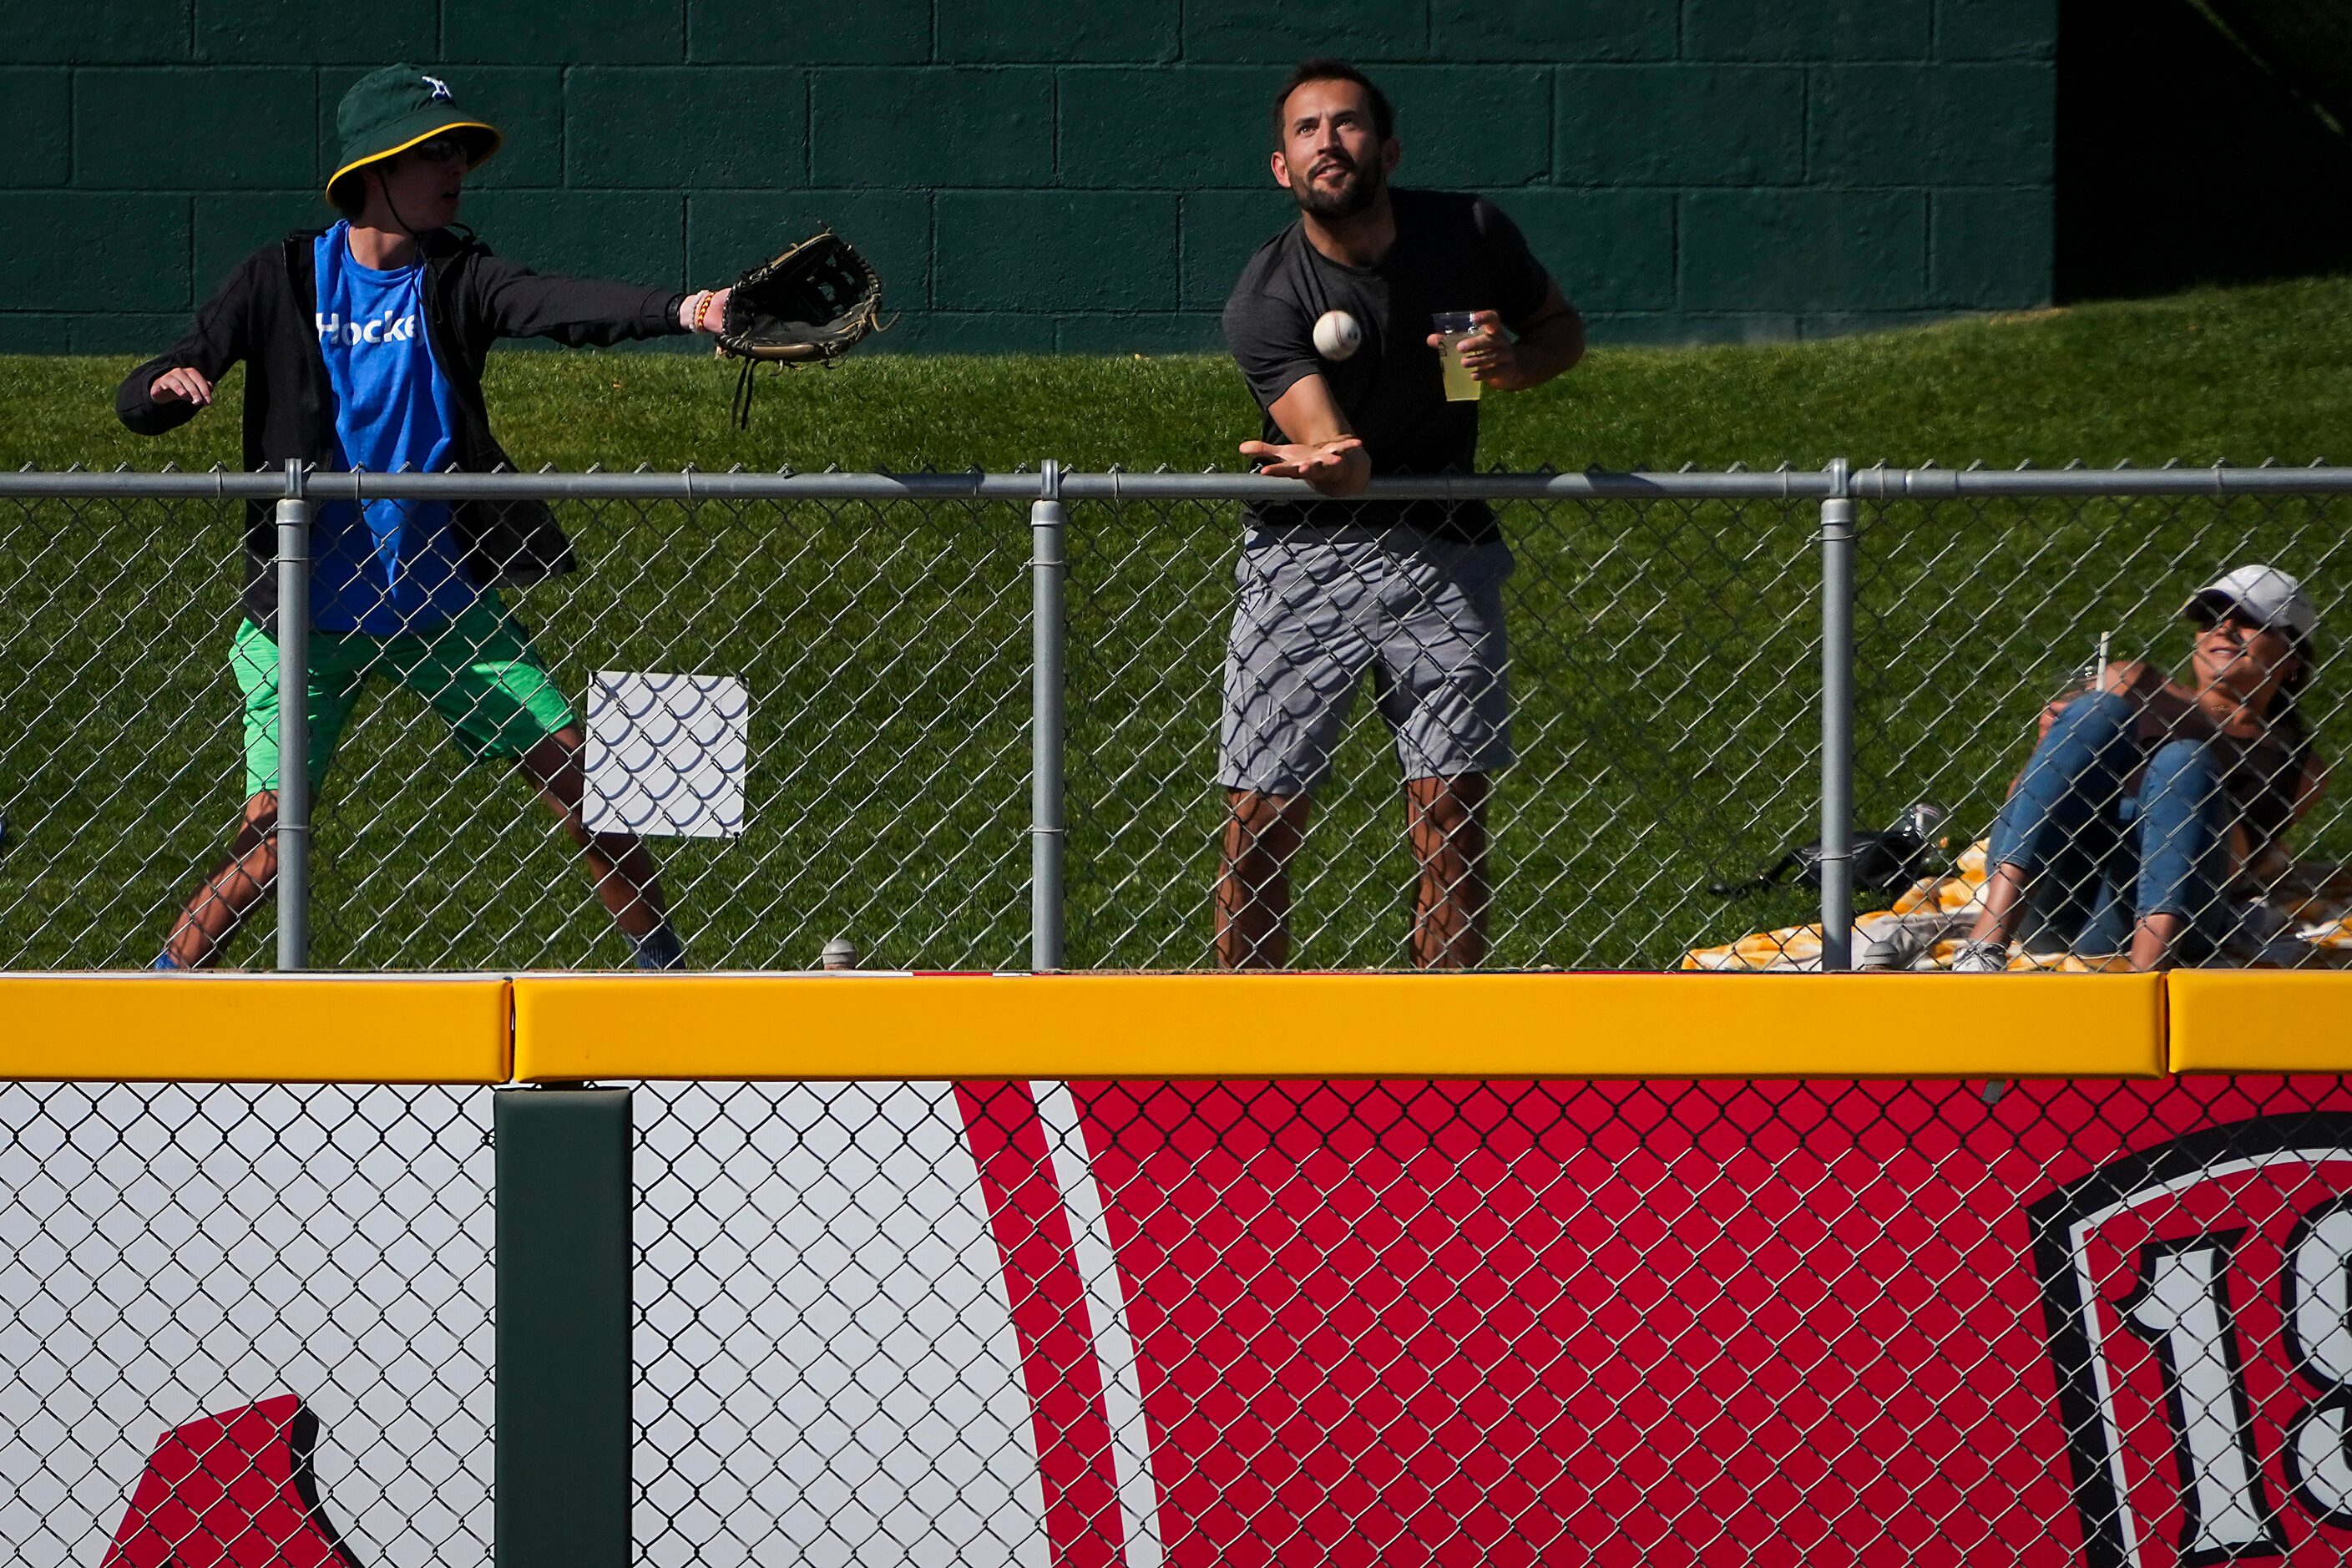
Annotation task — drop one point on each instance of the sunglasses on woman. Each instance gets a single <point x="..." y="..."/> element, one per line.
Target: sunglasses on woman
<point x="2206" y="615"/>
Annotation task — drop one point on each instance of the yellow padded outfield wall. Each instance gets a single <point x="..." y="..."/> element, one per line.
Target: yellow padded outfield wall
<point x="2251" y="1020"/>
<point x="1336" y="1026"/>
<point x="256" y="1029"/>
<point x="490" y="1029"/>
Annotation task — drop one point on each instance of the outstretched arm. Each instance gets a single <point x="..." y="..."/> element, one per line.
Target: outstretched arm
<point x="520" y="303"/>
<point x="1321" y="449"/>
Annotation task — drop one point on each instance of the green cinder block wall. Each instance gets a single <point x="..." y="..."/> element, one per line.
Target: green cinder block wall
<point x="1063" y="176"/>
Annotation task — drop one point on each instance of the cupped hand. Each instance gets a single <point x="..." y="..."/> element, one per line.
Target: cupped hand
<point x="181" y="385"/>
<point x="1319" y="463"/>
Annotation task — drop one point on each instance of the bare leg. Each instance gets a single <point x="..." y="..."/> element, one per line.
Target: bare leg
<point x="1253" y="898"/>
<point x="628" y="883"/>
<point x="2004" y="906"/>
<point x="1446" y="819"/>
<point x="231" y="890"/>
<point x="2004" y="901"/>
<point x="2152" y="939"/>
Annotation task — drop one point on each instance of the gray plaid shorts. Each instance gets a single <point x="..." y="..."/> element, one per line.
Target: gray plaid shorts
<point x="1320" y="605"/>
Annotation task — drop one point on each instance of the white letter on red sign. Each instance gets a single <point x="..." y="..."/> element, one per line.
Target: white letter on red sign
<point x="2183" y="1307"/>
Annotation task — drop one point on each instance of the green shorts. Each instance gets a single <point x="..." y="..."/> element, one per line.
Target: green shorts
<point x="478" y="671"/>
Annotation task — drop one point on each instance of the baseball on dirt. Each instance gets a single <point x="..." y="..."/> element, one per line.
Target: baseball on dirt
<point x="1337" y="335"/>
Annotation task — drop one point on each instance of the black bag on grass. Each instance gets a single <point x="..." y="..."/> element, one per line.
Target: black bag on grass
<point x="1902" y="854"/>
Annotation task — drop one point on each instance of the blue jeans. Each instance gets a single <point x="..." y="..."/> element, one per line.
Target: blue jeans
<point x="2098" y="860"/>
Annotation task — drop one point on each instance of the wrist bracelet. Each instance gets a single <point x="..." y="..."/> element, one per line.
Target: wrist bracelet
<point x="703" y="309"/>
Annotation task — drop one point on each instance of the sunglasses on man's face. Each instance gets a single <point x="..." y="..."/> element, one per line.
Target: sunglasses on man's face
<point x="440" y="150"/>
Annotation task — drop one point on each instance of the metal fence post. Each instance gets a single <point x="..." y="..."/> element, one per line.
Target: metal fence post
<point x="1049" y="522"/>
<point x="294" y="722"/>
<point x="561" y="1434"/>
<point x="1837" y="722"/>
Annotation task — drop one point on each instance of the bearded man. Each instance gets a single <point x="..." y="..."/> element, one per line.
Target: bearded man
<point x="1409" y="590"/>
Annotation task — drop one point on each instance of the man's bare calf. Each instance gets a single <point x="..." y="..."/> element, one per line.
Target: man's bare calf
<point x="1445" y="825"/>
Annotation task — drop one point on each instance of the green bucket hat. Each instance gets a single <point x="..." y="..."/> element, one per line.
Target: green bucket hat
<point x="391" y="111"/>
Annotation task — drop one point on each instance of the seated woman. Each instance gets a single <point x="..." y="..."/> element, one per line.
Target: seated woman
<point x="2145" y="796"/>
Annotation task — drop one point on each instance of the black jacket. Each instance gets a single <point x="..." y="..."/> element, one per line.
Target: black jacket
<point x="266" y="315"/>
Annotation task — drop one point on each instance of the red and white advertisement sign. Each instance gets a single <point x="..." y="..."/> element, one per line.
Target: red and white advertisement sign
<point x="2199" y="1297"/>
<point x="1383" y="1325"/>
<point x="1456" y="1324"/>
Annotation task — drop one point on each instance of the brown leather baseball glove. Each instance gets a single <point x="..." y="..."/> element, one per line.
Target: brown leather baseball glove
<point x="815" y="301"/>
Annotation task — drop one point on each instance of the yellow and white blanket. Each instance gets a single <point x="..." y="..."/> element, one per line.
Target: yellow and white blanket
<point x="2302" y="919"/>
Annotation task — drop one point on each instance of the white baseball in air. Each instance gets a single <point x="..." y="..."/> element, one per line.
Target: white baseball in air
<point x="1337" y="335"/>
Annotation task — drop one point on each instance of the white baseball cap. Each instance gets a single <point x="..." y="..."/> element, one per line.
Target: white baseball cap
<point x="2269" y="596"/>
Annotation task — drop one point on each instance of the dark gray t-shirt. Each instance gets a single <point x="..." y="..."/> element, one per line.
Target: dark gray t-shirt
<point x="1453" y="252"/>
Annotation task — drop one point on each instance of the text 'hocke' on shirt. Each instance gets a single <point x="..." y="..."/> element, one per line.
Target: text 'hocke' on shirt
<point x="389" y="329"/>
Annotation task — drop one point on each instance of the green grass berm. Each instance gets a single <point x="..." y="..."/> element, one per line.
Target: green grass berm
<point x="1665" y="658"/>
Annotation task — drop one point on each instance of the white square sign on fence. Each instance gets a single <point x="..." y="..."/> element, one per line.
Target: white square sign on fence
<point x="667" y="754"/>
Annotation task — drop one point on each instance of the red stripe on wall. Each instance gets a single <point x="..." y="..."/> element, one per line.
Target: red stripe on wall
<point x="1049" y="1323"/>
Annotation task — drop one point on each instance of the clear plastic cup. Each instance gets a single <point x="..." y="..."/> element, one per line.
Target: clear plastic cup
<point x="1453" y="326"/>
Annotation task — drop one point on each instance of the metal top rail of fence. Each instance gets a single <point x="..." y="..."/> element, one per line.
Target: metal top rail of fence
<point x="1703" y="668"/>
<point x="1878" y="482"/>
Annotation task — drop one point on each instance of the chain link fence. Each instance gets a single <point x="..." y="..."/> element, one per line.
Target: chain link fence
<point x="884" y="645"/>
<point x="170" y="1252"/>
<point x="1036" y="1324"/>
<point x="1666" y="706"/>
<point x="1663" y="679"/>
<point x="1977" y="613"/>
<point x="1493" y="1323"/>
<point x="117" y="752"/>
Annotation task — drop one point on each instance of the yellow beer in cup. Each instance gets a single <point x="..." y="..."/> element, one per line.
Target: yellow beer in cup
<point x="1453" y="326"/>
